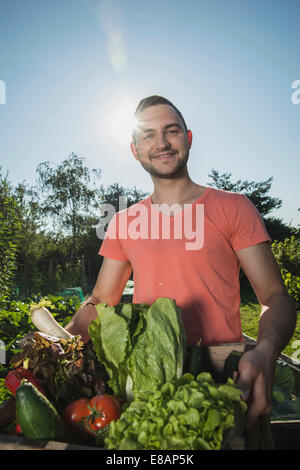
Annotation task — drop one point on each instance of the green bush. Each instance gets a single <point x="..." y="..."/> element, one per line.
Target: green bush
<point x="292" y="284"/>
<point x="10" y="226"/>
<point x="287" y="254"/>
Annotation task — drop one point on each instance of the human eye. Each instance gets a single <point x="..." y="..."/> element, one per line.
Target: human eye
<point x="173" y="130"/>
<point x="148" y="136"/>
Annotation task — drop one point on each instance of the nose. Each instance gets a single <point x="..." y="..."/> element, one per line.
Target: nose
<point x="162" y="141"/>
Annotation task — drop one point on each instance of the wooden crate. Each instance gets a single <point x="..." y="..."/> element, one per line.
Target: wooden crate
<point x="8" y="442"/>
<point x="213" y="359"/>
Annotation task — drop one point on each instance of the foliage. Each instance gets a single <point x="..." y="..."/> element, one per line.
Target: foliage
<point x="4" y="393"/>
<point x="257" y="192"/>
<point x="114" y="191"/>
<point x="59" y="218"/>
<point x="10" y="226"/>
<point x="287" y="254"/>
<point x="278" y="230"/>
<point x="70" y="193"/>
<point x="32" y="221"/>
<point x="292" y="284"/>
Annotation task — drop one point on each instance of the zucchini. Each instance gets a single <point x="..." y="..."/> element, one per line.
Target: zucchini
<point x="37" y="416"/>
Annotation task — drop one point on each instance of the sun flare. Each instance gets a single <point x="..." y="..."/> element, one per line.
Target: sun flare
<point x="120" y="119"/>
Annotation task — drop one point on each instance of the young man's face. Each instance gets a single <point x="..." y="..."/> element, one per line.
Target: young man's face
<point x="162" y="144"/>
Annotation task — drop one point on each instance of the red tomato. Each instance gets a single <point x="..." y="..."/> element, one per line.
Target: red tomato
<point x="105" y="408"/>
<point x="90" y="415"/>
<point x="75" y="413"/>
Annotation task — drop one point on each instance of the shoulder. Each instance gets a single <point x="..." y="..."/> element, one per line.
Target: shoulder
<point x="232" y="206"/>
<point x="226" y="196"/>
<point x="134" y="209"/>
<point x="227" y="200"/>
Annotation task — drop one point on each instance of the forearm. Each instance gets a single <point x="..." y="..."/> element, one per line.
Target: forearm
<point x="277" y="324"/>
<point x="82" y="318"/>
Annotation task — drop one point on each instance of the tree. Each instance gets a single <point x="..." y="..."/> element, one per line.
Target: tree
<point x="70" y="194"/>
<point x="255" y="191"/>
<point x="287" y="253"/>
<point x="10" y="237"/>
<point x="112" y="193"/>
<point x="278" y="230"/>
<point x="32" y="228"/>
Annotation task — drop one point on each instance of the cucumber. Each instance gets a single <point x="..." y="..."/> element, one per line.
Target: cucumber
<point x="37" y="417"/>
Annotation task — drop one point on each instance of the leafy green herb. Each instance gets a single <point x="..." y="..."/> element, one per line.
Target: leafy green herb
<point x="182" y="414"/>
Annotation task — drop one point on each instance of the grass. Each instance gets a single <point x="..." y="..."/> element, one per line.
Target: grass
<point x="250" y="312"/>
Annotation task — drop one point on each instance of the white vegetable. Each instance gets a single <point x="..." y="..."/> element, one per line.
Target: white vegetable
<point x="128" y="387"/>
<point x="46" y="323"/>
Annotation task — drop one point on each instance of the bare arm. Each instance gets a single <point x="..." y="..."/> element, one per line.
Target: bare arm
<point x="276" y="327"/>
<point x="109" y="287"/>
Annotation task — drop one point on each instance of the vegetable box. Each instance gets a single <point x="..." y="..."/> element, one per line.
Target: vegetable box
<point x="220" y="360"/>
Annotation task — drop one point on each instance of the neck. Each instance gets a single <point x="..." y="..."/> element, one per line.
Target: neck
<point x="178" y="190"/>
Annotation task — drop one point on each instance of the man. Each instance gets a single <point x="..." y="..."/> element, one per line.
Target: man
<point x="203" y="279"/>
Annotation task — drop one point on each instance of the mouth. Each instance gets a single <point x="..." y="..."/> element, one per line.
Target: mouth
<point x="164" y="156"/>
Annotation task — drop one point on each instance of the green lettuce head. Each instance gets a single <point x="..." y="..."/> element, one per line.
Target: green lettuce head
<point x="141" y="346"/>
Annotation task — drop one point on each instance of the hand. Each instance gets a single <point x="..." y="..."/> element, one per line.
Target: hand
<point x="255" y="379"/>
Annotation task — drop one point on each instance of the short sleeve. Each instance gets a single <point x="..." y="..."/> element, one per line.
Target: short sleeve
<point x="248" y="225"/>
<point x="111" y="246"/>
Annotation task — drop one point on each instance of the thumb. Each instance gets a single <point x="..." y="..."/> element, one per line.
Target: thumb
<point x="245" y="389"/>
<point x="245" y="381"/>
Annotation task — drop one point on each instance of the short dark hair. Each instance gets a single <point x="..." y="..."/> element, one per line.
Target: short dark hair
<point x="154" y="100"/>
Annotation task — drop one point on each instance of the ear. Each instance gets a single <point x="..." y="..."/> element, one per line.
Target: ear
<point x="189" y="138"/>
<point x="134" y="150"/>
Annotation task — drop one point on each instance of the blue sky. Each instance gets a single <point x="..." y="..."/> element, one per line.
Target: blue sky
<point x="74" y="70"/>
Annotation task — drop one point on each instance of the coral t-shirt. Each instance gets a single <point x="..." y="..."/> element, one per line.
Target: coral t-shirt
<point x="190" y="257"/>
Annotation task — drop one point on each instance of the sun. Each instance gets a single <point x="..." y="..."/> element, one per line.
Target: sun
<point x="120" y="118"/>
